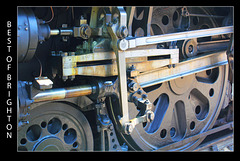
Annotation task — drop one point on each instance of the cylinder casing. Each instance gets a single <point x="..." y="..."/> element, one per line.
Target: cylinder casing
<point x="31" y="30"/>
<point x="27" y="34"/>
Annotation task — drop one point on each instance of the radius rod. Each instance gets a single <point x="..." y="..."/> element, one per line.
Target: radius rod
<point x="149" y="40"/>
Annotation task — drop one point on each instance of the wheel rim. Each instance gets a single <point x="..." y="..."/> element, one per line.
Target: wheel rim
<point x="166" y="19"/>
<point x="55" y="127"/>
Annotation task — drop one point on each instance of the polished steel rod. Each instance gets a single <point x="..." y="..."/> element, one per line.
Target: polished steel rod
<point x="132" y="43"/>
<point x="62" y="93"/>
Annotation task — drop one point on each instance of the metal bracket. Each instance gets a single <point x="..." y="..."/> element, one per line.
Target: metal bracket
<point x="142" y="104"/>
<point x="148" y="115"/>
<point x="121" y="66"/>
<point x="109" y="141"/>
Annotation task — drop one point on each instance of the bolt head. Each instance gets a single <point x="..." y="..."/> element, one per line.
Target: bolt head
<point x="105" y="120"/>
<point x="87" y="31"/>
<point x="144" y="96"/>
<point x="150" y="116"/>
<point x="133" y="86"/>
<point x="124" y="32"/>
<point x="139" y="91"/>
<point x="128" y="128"/>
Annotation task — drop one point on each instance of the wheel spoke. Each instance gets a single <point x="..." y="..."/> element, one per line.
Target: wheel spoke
<point x="184" y="106"/>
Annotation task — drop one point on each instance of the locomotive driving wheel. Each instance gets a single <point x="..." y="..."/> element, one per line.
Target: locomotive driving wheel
<point x="183" y="107"/>
<point x="56" y="126"/>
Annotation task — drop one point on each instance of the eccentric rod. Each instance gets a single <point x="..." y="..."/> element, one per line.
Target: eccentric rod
<point x="62" y="93"/>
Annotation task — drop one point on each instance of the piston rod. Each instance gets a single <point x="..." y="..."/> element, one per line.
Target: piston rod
<point x="83" y="31"/>
<point x="62" y="93"/>
<point x="64" y="32"/>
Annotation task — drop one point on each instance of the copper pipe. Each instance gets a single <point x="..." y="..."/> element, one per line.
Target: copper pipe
<point x="62" y="93"/>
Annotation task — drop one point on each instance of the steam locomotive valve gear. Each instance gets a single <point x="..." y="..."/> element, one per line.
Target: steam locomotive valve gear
<point x="125" y="78"/>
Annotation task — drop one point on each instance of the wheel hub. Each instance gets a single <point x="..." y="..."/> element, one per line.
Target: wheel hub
<point x="49" y="144"/>
<point x="182" y="84"/>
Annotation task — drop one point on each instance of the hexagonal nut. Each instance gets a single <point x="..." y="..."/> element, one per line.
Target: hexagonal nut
<point x="124" y="31"/>
<point x="150" y="116"/>
<point x="133" y="86"/>
<point x="128" y="128"/>
<point x="144" y="96"/>
<point x="85" y="31"/>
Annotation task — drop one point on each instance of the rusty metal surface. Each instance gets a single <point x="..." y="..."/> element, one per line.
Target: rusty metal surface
<point x="137" y="58"/>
